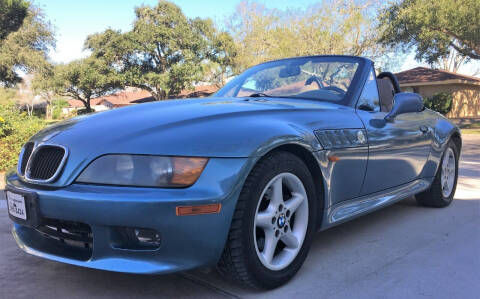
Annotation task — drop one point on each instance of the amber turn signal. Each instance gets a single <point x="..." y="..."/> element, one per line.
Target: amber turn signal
<point x="199" y="210"/>
<point x="187" y="170"/>
<point x="333" y="158"/>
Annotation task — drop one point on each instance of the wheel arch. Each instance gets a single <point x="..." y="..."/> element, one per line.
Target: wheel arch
<point x="310" y="161"/>
<point x="457" y="140"/>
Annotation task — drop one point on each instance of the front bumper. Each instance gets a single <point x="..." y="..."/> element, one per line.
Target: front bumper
<point x="186" y="241"/>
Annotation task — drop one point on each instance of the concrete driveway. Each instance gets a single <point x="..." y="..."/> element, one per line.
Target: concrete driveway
<point x="403" y="251"/>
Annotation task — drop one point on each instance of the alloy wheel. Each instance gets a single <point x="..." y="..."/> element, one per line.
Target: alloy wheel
<point x="448" y="172"/>
<point x="281" y="221"/>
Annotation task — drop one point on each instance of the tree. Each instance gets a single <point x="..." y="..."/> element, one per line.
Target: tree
<point x="451" y="62"/>
<point x="12" y="14"/>
<point x="165" y="51"/>
<point x="434" y="27"/>
<point x="329" y="27"/>
<point x="221" y="58"/>
<point x="82" y="79"/>
<point x="25" y="38"/>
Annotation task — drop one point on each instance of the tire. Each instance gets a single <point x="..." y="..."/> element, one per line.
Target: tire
<point x="441" y="192"/>
<point x="246" y="257"/>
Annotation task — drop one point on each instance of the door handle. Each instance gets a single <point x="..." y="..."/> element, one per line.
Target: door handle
<point x="424" y="129"/>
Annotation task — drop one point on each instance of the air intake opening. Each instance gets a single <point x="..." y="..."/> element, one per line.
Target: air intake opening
<point x="45" y="163"/>
<point x="68" y="232"/>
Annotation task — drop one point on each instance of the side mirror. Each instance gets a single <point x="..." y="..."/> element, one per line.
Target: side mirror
<point x="405" y="102"/>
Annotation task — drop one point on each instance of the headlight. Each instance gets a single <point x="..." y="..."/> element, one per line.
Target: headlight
<point x="143" y="171"/>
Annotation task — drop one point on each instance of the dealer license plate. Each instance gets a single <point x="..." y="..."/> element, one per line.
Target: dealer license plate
<point x="16" y="205"/>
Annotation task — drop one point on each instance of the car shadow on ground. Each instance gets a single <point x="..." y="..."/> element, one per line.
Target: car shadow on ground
<point x="337" y="256"/>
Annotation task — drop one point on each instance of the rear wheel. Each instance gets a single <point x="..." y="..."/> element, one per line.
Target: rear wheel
<point x="444" y="185"/>
<point x="273" y="224"/>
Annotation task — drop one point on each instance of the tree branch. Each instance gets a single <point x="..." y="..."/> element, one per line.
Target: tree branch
<point x="465" y="51"/>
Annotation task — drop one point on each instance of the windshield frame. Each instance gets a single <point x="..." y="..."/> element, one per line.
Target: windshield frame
<point x="349" y="97"/>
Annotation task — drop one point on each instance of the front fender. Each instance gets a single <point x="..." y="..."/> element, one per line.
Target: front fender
<point x="442" y="131"/>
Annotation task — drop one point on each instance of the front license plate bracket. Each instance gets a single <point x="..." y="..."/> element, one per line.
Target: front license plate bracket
<point x="33" y="217"/>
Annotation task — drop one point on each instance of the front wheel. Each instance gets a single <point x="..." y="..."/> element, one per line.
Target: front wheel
<point x="273" y="224"/>
<point x="444" y="185"/>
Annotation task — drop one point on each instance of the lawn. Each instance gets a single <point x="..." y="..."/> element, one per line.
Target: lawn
<point x="470" y="128"/>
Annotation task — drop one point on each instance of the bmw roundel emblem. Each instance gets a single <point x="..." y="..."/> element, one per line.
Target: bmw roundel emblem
<point x="281" y="221"/>
<point x="361" y="137"/>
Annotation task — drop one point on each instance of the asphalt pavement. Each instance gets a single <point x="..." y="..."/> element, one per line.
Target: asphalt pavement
<point x="402" y="251"/>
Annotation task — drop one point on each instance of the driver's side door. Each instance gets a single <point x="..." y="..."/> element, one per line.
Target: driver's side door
<point x="398" y="150"/>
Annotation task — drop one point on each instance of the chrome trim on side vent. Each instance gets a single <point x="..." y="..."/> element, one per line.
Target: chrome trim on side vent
<point x="58" y="168"/>
<point x="342" y="138"/>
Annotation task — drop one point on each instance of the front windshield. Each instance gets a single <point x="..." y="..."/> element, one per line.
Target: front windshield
<point x="320" y="78"/>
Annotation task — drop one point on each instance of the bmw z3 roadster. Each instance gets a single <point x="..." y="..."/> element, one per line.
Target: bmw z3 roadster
<point x="241" y="180"/>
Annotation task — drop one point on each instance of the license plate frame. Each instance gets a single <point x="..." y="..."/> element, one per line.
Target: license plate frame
<point x="32" y="217"/>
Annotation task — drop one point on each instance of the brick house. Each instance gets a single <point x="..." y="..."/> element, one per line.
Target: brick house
<point x="132" y="96"/>
<point x="427" y="82"/>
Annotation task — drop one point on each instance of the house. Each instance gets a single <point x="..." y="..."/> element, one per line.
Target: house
<point x="465" y="90"/>
<point x="132" y="96"/>
<point x="199" y="91"/>
<point x="127" y="97"/>
<point x="26" y="99"/>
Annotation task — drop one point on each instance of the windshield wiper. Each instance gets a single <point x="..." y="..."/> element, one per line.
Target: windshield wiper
<point x="259" y="94"/>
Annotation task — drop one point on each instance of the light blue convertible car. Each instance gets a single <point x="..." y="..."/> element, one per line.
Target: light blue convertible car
<point x="241" y="180"/>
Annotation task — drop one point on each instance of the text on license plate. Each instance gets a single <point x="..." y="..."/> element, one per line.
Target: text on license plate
<point x="16" y="205"/>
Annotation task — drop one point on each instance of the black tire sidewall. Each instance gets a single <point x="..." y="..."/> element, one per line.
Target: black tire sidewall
<point x="282" y="163"/>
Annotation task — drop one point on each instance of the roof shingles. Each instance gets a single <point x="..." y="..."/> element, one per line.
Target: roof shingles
<point x="425" y="75"/>
<point x="124" y="98"/>
<point x="118" y="99"/>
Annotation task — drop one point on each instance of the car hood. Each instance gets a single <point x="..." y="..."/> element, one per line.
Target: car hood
<point x="192" y="127"/>
<point x="208" y="127"/>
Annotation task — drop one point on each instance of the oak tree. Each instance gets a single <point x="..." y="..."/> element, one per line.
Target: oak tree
<point x="164" y="53"/>
<point x="25" y="38"/>
<point x="434" y="27"/>
<point x="82" y="79"/>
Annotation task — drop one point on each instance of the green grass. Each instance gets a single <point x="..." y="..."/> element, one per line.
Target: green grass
<point x="471" y="131"/>
<point x="470" y="128"/>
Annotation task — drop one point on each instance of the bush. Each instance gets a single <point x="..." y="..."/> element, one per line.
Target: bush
<point x="83" y="111"/>
<point x="5" y="127"/>
<point x="15" y="129"/>
<point x="440" y="102"/>
<point x="7" y="95"/>
<point x="57" y="106"/>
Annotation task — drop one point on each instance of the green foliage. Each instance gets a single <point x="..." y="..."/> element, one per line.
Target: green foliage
<point x="24" y="41"/>
<point x="222" y="57"/>
<point x="435" y="27"/>
<point x="329" y="27"/>
<point x="165" y="51"/>
<point x="15" y="129"/>
<point x="7" y="95"/>
<point x="6" y="128"/>
<point x="440" y="102"/>
<point x="57" y="106"/>
<point x="81" y="79"/>
<point x="12" y="14"/>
